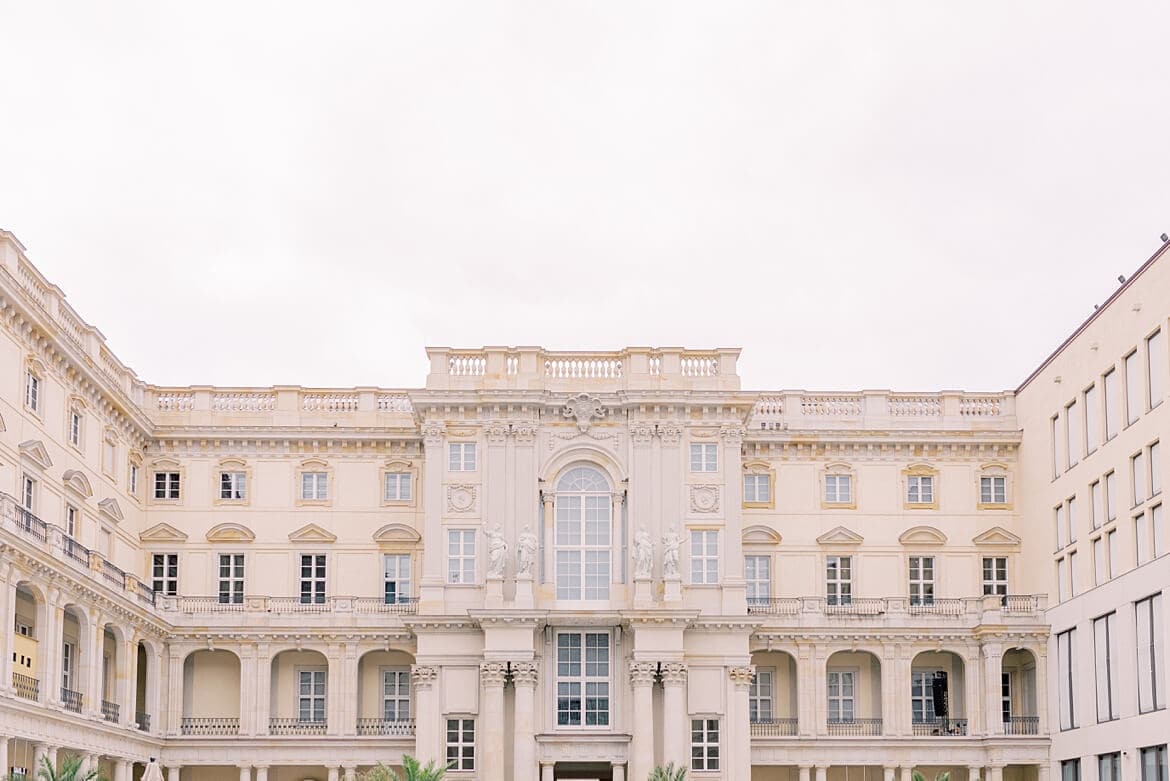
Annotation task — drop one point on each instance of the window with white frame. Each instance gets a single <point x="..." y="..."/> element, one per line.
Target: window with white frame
<point x="841" y="695"/>
<point x="396" y="577"/>
<point x="704" y="457"/>
<point x="231" y="578"/>
<point x="396" y="694"/>
<point x="583" y="534"/>
<point x="68" y="659"/>
<point x="1096" y="505"/>
<point x="461" y="456"/>
<point x="757" y="571"/>
<point x="312" y="578"/>
<point x="1092" y="419"/>
<point x="1072" y="423"/>
<point x="28" y="493"/>
<point x="461" y="744"/>
<point x="1153" y="762"/>
<point x="1156" y="366"/>
<point x="311" y="695"/>
<point x="1133" y="387"/>
<point x="71" y="521"/>
<point x="839" y="580"/>
<point x="1110" y="496"/>
<point x="314" y="486"/>
<point x="838" y="488"/>
<point x="1109" y="767"/>
<point x="922" y="580"/>
<point x="132" y="479"/>
<point x="993" y="489"/>
<point x="1112" y="404"/>
<point x="1105" y="649"/>
<point x="995" y="576"/>
<point x="1005" y="697"/>
<point x="757" y="488"/>
<point x="704" y="744"/>
<point x="760" y="695"/>
<point x="583" y="679"/>
<point x="461" y="556"/>
<point x="75" y="428"/>
<point x="233" y="486"/>
<point x="396" y="487"/>
<point x="922" y="696"/>
<point x="920" y="489"/>
<point x="164" y="574"/>
<point x="1065" y="671"/>
<point x="1151" y="672"/>
<point x="1073" y="575"/>
<point x="32" y="391"/>
<point x="704" y="556"/>
<point x="166" y="485"/>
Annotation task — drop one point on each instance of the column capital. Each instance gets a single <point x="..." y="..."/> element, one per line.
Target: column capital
<point x="670" y="433"/>
<point x="524" y="431"/>
<point x="742" y="677"/>
<point x="732" y="436"/>
<point x="423" y="676"/>
<point x="673" y="673"/>
<point x="525" y="673"/>
<point x="493" y="673"/>
<point x="642" y="673"/>
<point x="641" y="433"/>
<point x="433" y="431"/>
<point x="496" y="431"/>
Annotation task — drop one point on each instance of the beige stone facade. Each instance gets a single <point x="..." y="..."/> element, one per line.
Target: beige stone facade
<point x="541" y="565"/>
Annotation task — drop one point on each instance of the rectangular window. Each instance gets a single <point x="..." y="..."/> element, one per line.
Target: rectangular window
<point x="132" y="479"/>
<point x="993" y="490"/>
<point x="995" y="578"/>
<point x="1151" y="673"/>
<point x="396" y="577"/>
<point x="109" y="456"/>
<point x="461" y="744"/>
<point x="313" y="579"/>
<point x="1141" y="536"/>
<point x="28" y="493"/>
<point x="1156" y="364"/>
<point x="71" y="521"/>
<point x="1155" y="469"/>
<point x="1005" y="697"/>
<point x="1071" y="517"/>
<point x="1062" y="589"/>
<point x="231" y="578"/>
<point x="166" y="485"/>
<point x="1096" y="505"/>
<point x="1109" y="767"/>
<point x="1070" y="770"/>
<point x="75" y="428"/>
<point x="1100" y="562"/>
<point x="1110" y="496"/>
<point x="760" y="695"/>
<point x="67" y="658"/>
<point x="841" y="696"/>
<point x="920" y="489"/>
<point x="1137" y="469"/>
<point x="583" y="672"/>
<point x="164" y="574"/>
<point x="1062" y="532"/>
<point x="1105" y="649"/>
<point x="1092" y="419"/>
<point x="1064" y="678"/>
<point x="1153" y="759"/>
<point x="1054" y="431"/>
<point x="757" y="571"/>
<point x="1157" y="531"/>
<point x="1073" y="577"/>
<point x="397" y="488"/>
<point x="396" y="695"/>
<point x="32" y="391"/>
<point x="704" y="744"/>
<point x="461" y="456"/>
<point x="922" y="696"/>
<point x="757" y="489"/>
<point x="1112" y="405"/>
<point x="1114" y="551"/>
<point x="314" y="486"/>
<point x="704" y="457"/>
<point x="838" y="580"/>
<point x="311" y="696"/>
<point x="705" y="556"/>
<point x="461" y="556"/>
<point x="1133" y="388"/>
<point x="233" y="486"/>
<point x="838" y="489"/>
<point x="921" y="580"/>
<point x="1072" y="438"/>
<point x="583" y="545"/>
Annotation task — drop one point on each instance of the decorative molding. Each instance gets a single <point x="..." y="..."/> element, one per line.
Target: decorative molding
<point x="997" y="537"/>
<point x="493" y="673"/>
<point x="641" y="433"/>
<point x="705" y="498"/>
<point x="840" y="536"/>
<point x="760" y="535"/>
<point x="423" y="676"/>
<point x="109" y="507"/>
<point x="34" y="450"/>
<point x="643" y="673"/>
<point x="922" y="535"/>
<point x="583" y="408"/>
<point x="496" y="432"/>
<point x="311" y="532"/>
<point x="433" y="432"/>
<point x="162" y="532"/>
<point x="670" y="433"/>
<point x="76" y="481"/>
<point x="461" y="497"/>
<point x="525" y="673"/>
<point x="731" y="435"/>
<point x="742" y="677"/>
<point x="397" y="533"/>
<point x="230" y="532"/>
<point x="673" y="673"/>
<point x="524" y="432"/>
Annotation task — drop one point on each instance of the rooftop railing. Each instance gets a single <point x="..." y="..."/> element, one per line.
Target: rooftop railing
<point x="784" y="410"/>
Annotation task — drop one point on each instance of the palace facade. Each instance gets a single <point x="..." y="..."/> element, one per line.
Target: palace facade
<point x="562" y="565"/>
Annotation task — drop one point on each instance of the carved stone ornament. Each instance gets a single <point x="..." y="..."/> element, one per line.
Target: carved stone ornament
<point x="433" y="432"/>
<point x="524" y="432"/>
<point x="496" y="431"/>
<point x="583" y="408"/>
<point x="461" y="498"/>
<point x="525" y="673"/>
<point x="732" y="435"/>
<point x="742" y="677"/>
<point x="705" y="498"/>
<point x="673" y="673"/>
<point x="643" y="673"/>
<point x="493" y="673"/>
<point x="670" y="433"/>
<point x="423" y="676"/>
<point x="641" y="433"/>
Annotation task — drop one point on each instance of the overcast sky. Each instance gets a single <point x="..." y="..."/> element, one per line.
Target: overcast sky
<point x="861" y="195"/>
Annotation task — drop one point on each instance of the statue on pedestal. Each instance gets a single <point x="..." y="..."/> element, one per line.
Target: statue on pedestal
<point x="497" y="552"/>
<point x="525" y="554"/>
<point x="643" y="553"/>
<point x="671" y="541"/>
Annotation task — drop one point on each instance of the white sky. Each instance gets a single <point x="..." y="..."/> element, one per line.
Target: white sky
<point x="871" y="194"/>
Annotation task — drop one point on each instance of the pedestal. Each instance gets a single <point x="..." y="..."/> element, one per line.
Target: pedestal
<point x="494" y="593"/>
<point x="524" y="599"/>
<point x="672" y="589"/>
<point x="643" y="596"/>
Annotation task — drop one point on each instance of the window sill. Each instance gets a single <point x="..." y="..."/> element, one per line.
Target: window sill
<point x="993" y="506"/>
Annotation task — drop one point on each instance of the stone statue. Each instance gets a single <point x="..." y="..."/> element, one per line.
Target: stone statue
<point x="525" y="554"/>
<point x="497" y="552"/>
<point x="670" y="545"/>
<point x="643" y="553"/>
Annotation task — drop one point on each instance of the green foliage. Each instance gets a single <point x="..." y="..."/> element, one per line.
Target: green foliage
<point x="70" y="770"/>
<point x="940" y="777"/>
<point x="412" y="770"/>
<point x="668" y="773"/>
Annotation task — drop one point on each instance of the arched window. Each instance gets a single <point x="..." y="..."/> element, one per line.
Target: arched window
<point x="584" y="529"/>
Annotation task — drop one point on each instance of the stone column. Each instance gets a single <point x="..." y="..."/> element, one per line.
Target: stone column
<point x="175" y="688"/>
<point x="675" y="724"/>
<point x="642" y="730"/>
<point x="246" y="773"/>
<point x="805" y="683"/>
<point x="5" y="763"/>
<point x="173" y="772"/>
<point x="908" y="773"/>
<point x="263" y="701"/>
<point x="262" y="773"/>
<point x="973" y="773"/>
<point x="619" y="772"/>
<point x="8" y="576"/>
<point x="1043" y="771"/>
<point x="992" y="672"/>
<point x="821" y="689"/>
<point x="546" y="771"/>
<point x="49" y="640"/>
<point x="888" y="773"/>
<point x="122" y="770"/>
<point x="804" y="773"/>
<point x="349" y="773"/>
<point x="125" y="681"/>
<point x="248" y="694"/>
<point x="426" y="714"/>
<point x="1041" y="654"/>
<point x="335" y="689"/>
<point x="524" y="677"/>
<point x="995" y="773"/>
<point x="39" y="755"/>
<point x="891" y="697"/>
<point x="332" y="774"/>
<point x="822" y="772"/>
<point x="738" y="747"/>
<point x="491" y="716"/>
<point x="974" y="706"/>
<point x="91" y="667"/>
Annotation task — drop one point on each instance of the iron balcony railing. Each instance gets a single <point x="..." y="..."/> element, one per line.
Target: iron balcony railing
<point x="26" y="686"/>
<point x="71" y="700"/>
<point x="295" y="727"/>
<point x="209" y="725"/>
<point x="1021" y="725"/>
<point x="943" y="727"/>
<point x="864" y="727"/>
<point x="110" y="711"/>
<point x="773" y="728"/>
<point x="398" y="728"/>
<point x="142" y="719"/>
<point x="75" y="550"/>
<point x="31" y="525"/>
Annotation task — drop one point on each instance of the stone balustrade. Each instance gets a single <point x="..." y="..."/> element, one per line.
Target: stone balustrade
<point x="883" y="410"/>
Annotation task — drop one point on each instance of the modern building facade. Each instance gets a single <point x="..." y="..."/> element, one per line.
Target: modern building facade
<point x="561" y="565"/>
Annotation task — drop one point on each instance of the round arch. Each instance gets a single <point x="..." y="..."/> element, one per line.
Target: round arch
<point x="585" y="454"/>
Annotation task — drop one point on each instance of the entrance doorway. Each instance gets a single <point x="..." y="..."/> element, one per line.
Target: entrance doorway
<point x="583" y="771"/>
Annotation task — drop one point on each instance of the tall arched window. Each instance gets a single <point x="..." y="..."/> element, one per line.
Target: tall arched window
<point x="584" y="521"/>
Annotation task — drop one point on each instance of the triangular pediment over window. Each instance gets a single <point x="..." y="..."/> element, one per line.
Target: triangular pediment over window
<point x="840" y="536"/>
<point x="77" y="482"/>
<point x="312" y="533"/>
<point x="397" y="532"/>
<point x="162" y="532"/>
<point x="922" y="535"/>
<point x="760" y="535"/>
<point x="997" y="537"/>
<point x="34" y="450"/>
<point x="230" y="532"/>
<point x="109" y="508"/>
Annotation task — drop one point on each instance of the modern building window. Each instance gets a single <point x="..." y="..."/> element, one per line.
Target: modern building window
<point x="312" y="578"/>
<point x="396" y="577"/>
<point x="75" y="428"/>
<point x="71" y="523"/>
<point x="920" y="489"/>
<point x="233" y="486"/>
<point x="396" y="694"/>
<point x="1141" y="537"/>
<point x="1137" y="470"/>
<point x="839" y="580"/>
<point x="1064" y="678"/>
<point x="1156" y="365"/>
<point x="583" y="678"/>
<point x="993" y="490"/>
<point x="1062" y="587"/>
<point x="1070" y="770"/>
<point x="28" y="493"/>
<point x="1151" y="672"/>
<point x="1100" y="562"/>
<point x="841" y="695"/>
<point x="838" y="489"/>
<point x="461" y="744"/>
<point x="1073" y="575"/>
<point x="1109" y="767"/>
<point x="397" y="487"/>
<point x="314" y="486"/>
<point x="1072" y="438"/>
<point x="705" y="556"/>
<point x="760" y="695"/>
<point x="757" y="571"/>
<point x="1114" y="550"/>
<point x="704" y="457"/>
<point x="1157" y="531"/>
<point x="922" y="696"/>
<point x="1155" y="468"/>
<point x="461" y="456"/>
<point x="704" y="744"/>
<point x="1112" y="405"/>
<point x="922" y="580"/>
<point x="32" y="391"/>
<point x="1054" y="431"/>
<point x="584" y="529"/>
<point x="1062" y="527"/>
<point x="1096" y="505"/>
<point x="1105" y="650"/>
<point x="1092" y="419"/>
<point x="1070" y="512"/>
<point x="995" y="576"/>
<point x="1110" y="496"/>
<point x="311" y="695"/>
<point x="757" y="488"/>
<point x="1153" y="759"/>
<point x="166" y="485"/>
<point x="231" y="578"/>
<point x="164" y="574"/>
<point x="461" y="556"/>
<point x="1133" y="388"/>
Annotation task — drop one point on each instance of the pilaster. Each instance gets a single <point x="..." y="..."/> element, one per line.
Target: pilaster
<point x="431" y="583"/>
<point x="492" y="676"/>
<point x="675" y="724"/>
<point x="524" y="680"/>
<point x="426" y="717"/>
<point x="738" y="720"/>
<point x="642" y="729"/>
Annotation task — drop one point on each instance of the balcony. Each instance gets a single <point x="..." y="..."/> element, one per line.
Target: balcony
<point x="295" y="727"/>
<point x="854" y="727"/>
<point x="1021" y="725"/>
<point x="214" y="725"/>
<point x="71" y="700"/>
<point x="774" y="728"/>
<point x="773" y="606"/>
<point x="387" y="728"/>
<point x="898" y="611"/>
<point x="27" y="687"/>
<point x="940" y="727"/>
<point x="288" y="605"/>
<point x="110" y="711"/>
